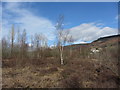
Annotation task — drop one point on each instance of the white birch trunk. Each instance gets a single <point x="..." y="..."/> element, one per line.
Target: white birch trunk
<point x="61" y="55"/>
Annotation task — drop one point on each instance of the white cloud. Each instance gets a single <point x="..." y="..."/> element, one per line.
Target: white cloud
<point x="90" y="31"/>
<point x="29" y="21"/>
<point x="37" y="24"/>
<point x="79" y="42"/>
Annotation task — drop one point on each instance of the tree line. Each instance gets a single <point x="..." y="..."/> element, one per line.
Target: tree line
<point x="16" y="45"/>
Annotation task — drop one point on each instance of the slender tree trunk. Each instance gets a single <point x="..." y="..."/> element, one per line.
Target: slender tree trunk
<point x="12" y="49"/>
<point x="61" y="55"/>
<point x="12" y="40"/>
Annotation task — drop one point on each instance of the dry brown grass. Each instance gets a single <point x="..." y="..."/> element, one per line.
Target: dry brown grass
<point x="76" y="73"/>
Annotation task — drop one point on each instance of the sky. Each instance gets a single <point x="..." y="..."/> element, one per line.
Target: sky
<point x="86" y="21"/>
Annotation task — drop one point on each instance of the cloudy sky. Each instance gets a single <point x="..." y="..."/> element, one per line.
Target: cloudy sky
<point x="86" y="21"/>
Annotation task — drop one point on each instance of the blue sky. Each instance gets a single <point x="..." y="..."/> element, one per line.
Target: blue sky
<point x="77" y="13"/>
<point x="86" y="21"/>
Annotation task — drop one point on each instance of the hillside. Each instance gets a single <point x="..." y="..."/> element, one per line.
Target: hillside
<point x="103" y="41"/>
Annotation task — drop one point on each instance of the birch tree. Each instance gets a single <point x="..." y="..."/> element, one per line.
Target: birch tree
<point x="61" y="36"/>
<point x="23" y="43"/>
<point x="37" y="44"/>
<point x="40" y="43"/>
<point x="18" y="43"/>
<point x="12" y="39"/>
<point x="18" y="37"/>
